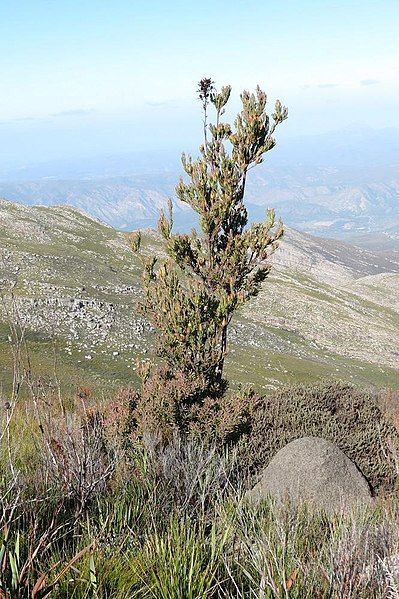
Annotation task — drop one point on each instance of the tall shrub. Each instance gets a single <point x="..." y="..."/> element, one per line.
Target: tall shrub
<point x="191" y="296"/>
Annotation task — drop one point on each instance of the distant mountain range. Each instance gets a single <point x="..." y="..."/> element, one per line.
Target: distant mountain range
<point x="328" y="309"/>
<point x="342" y="184"/>
<point x="334" y="201"/>
<point x="338" y="201"/>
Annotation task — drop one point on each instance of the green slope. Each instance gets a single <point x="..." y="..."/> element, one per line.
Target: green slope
<point x="325" y="312"/>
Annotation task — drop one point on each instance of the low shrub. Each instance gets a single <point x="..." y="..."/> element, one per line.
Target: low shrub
<point x="339" y="412"/>
<point x="170" y="404"/>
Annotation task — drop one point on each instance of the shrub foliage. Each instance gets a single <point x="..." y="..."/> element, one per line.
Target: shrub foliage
<point x="339" y="412"/>
<point x="190" y="298"/>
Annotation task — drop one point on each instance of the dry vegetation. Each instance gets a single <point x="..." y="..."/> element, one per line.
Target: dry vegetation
<point x="90" y="510"/>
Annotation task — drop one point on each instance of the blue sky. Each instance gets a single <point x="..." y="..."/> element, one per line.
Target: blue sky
<point x="95" y="76"/>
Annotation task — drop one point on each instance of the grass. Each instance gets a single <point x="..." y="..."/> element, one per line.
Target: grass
<point x="88" y="511"/>
<point x="48" y="359"/>
<point x="263" y="369"/>
<point x="169" y="523"/>
<point x="245" y="365"/>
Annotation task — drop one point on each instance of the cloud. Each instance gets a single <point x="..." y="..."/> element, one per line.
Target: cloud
<point x="327" y="85"/>
<point x="25" y="118"/>
<point x="66" y="113"/>
<point x="74" y="112"/>
<point x="369" y="82"/>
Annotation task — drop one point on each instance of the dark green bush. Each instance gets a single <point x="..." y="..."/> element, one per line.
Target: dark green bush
<point x="336" y="411"/>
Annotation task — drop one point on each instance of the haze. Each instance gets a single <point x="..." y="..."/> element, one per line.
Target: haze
<point x="90" y="78"/>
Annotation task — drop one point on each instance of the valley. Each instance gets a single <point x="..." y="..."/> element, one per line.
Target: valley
<point x="342" y="184"/>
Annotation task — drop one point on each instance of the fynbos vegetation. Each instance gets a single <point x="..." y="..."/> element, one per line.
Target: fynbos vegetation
<point x="191" y="297"/>
<point x="147" y="493"/>
<point x="82" y="516"/>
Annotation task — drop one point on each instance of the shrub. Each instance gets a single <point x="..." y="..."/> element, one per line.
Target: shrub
<point x="167" y="405"/>
<point x="191" y="297"/>
<point x="336" y="411"/>
<point x="78" y="458"/>
<point x="186" y="476"/>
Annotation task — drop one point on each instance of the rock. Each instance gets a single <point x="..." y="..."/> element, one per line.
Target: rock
<point x="316" y="471"/>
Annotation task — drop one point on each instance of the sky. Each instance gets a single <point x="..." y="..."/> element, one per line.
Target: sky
<point x="90" y="77"/>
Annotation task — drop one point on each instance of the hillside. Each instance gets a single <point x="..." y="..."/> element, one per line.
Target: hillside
<point x="328" y="309"/>
<point x="334" y="201"/>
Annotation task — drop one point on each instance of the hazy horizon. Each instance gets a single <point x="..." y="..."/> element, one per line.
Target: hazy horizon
<point x="85" y="79"/>
<point x="354" y="146"/>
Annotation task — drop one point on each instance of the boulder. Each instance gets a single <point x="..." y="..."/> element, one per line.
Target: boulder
<point x="314" y="470"/>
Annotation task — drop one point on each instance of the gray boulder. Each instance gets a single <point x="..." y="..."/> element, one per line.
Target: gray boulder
<point x="314" y="470"/>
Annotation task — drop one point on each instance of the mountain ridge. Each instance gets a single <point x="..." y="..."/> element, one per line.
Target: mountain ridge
<point x="75" y="282"/>
<point x="327" y="201"/>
